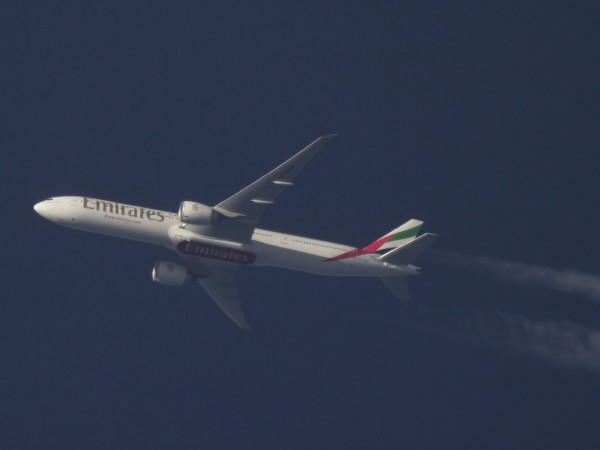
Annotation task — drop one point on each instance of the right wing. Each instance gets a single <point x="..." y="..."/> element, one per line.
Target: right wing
<point x="223" y="290"/>
<point x="218" y="280"/>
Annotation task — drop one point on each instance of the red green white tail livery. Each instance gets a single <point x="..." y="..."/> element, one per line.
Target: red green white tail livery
<point x="397" y="237"/>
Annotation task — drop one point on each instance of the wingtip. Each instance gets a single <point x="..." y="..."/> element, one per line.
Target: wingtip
<point x="244" y="325"/>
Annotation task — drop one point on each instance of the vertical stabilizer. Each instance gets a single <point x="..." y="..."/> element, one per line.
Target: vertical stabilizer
<point x="397" y="237"/>
<point x="402" y="256"/>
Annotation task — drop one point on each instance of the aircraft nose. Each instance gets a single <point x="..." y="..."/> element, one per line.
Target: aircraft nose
<point x="42" y="208"/>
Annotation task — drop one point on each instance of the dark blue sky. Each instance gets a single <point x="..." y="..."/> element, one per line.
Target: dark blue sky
<point x="480" y="118"/>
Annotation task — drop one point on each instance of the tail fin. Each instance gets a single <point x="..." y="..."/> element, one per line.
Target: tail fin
<point x="397" y="237"/>
<point x="404" y="255"/>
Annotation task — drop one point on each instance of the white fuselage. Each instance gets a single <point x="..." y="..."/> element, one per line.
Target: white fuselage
<point x="266" y="248"/>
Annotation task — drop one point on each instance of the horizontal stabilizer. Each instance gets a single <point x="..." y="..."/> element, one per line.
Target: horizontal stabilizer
<point x="404" y="255"/>
<point x="398" y="286"/>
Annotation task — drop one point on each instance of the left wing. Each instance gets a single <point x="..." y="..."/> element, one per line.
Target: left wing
<point x="248" y="204"/>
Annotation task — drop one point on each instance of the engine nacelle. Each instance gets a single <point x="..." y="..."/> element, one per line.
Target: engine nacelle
<point x="196" y="213"/>
<point x="171" y="274"/>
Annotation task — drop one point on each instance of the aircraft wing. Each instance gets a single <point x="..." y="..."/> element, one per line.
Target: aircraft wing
<point x="224" y="292"/>
<point x="218" y="280"/>
<point x="247" y="205"/>
<point x="239" y="214"/>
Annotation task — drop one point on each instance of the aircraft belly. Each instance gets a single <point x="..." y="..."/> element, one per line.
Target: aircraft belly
<point x="318" y="264"/>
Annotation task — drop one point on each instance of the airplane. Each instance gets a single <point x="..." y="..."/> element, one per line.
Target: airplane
<point x="213" y="242"/>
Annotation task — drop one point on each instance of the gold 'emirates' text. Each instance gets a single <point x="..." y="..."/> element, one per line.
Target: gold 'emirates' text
<point x="123" y="210"/>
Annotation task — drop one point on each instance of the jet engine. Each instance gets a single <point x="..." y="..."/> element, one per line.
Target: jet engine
<point x="171" y="274"/>
<point x="196" y="213"/>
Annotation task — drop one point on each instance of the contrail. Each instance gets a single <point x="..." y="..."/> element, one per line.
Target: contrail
<point x="558" y="343"/>
<point x="563" y="343"/>
<point x="568" y="281"/>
